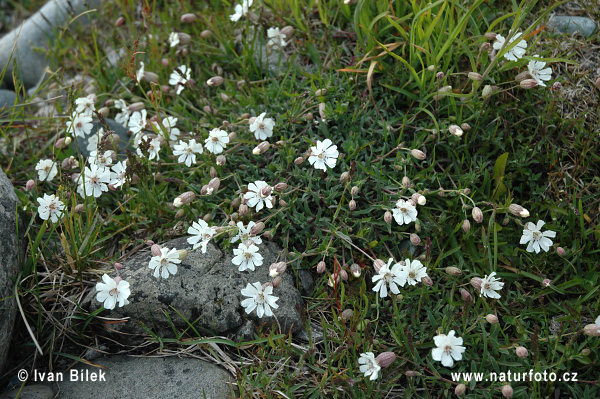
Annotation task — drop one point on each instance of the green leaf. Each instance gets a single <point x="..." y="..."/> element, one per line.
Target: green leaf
<point x="499" y="168"/>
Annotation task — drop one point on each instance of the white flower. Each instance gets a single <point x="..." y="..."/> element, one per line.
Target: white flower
<point x="140" y="72"/>
<point x="104" y="160"/>
<point x="119" y="175"/>
<point x="516" y="52"/>
<point x="246" y="257"/>
<point x="260" y="299"/>
<point x="153" y="148"/>
<point x="137" y="121"/>
<point x="166" y="263"/>
<point x="201" y="234"/>
<point x="387" y="276"/>
<point x="169" y="125"/>
<point x="173" y="39"/>
<point x="491" y="284"/>
<point x="112" y="291"/>
<point x="276" y="38"/>
<point x="187" y="151"/>
<point x="95" y="180"/>
<point x="179" y="77"/>
<point x="123" y="116"/>
<point x="323" y="155"/>
<point x="244" y="234"/>
<point x="405" y="212"/>
<point x="262" y="127"/>
<point x="50" y="208"/>
<point x="241" y="10"/>
<point x="46" y="169"/>
<point x="368" y="365"/>
<point x="533" y="235"/>
<point x="413" y="272"/>
<point x="538" y="72"/>
<point x="79" y="125"/>
<point x="85" y="105"/>
<point x="93" y="140"/>
<point x="259" y="195"/>
<point x="449" y="348"/>
<point x="597" y="321"/>
<point x="217" y="141"/>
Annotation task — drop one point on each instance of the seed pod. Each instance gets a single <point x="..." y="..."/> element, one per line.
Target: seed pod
<point x="528" y="84"/>
<point x="492" y="319"/>
<point x="490" y="35"/>
<point x="387" y="217"/>
<point x="150" y="77"/>
<point x="344" y="275"/>
<point x="466" y="296"/>
<point x="322" y="110"/>
<point x="276" y="281"/>
<point x="213" y="172"/>
<point x="475" y="76"/>
<point x="355" y="270"/>
<point x="215" y="81"/>
<point x="427" y="281"/>
<point x="352" y="205"/>
<point x="347" y="314"/>
<point x="410" y="373"/>
<point x="521" y="351"/>
<point x="378" y="264"/>
<point x="466" y="225"/>
<point x="344" y="177"/>
<point x="182" y="253"/>
<point x="179" y="214"/>
<point x="137" y="106"/>
<point x="477" y="215"/>
<point x="405" y="182"/>
<point x="415" y="239"/>
<point x="460" y="389"/>
<point x="279" y="187"/>
<point x="385" y="359"/>
<point x="188" y="18"/>
<point x="231" y="136"/>
<point x="79" y="208"/>
<point x="354" y="191"/>
<point x="321" y="267"/>
<point x="243" y="209"/>
<point x="287" y="31"/>
<point x="418" y="154"/>
<point x="476" y="283"/>
<point x="214" y="183"/>
<point x="299" y="161"/>
<point x="592" y="330"/>
<point x="206" y="34"/>
<point x="465" y="126"/>
<point x="103" y="112"/>
<point x="119" y="22"/>
<point x="257" y="229"/>
<point x="487" y="92"/>
<point x="155" y="249"/>
<point x="507" y="391"/>
<point x="453" y="271"/>
<point x="522" y="76"/>
<point x="184" y="38"/>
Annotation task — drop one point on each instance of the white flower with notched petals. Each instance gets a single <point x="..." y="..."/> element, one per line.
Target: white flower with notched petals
<point x="516" y="52"/>
<point x="173" y="39"/>
<point x="405" y="212"/>
<point x="413" y="272"/>
<point x="276" y="38"/>
<point x="123" y="116"/>
<point x="95" y="181"/>
<point x="201" y="234"/>
<point x="323" y="155"/>
<point x="262" y="127"/>
<point x="538" y="72"/>
<point x="85" y="105"/>
<point x="217" y="141"/>
<point x="93" y="140"/>
<point x="247" y="257"/>
<point x="137" y="121"/>
<point x="244" y="235"/>
<point x="50" y="208"/>
<point x="79" y="125"/>
<point x="241" y="10"/>
<point x="535" y="238"/>
<point x="179" y="78"/>
<point x="118" y="177"/>
<point x="259" y="298"/>
<point x="449" y="348"/>
<point x="491" y="284"/>
<point x="46" y="169"/>
<point x="368" y="365"/>
<point x="187" y="151"/>
<point x="259" y="195"/>
<point x="104" y="160"/>
<point x="111" y="292"/>
<point x="388" y="277"/>
<point x="166" y="263"/>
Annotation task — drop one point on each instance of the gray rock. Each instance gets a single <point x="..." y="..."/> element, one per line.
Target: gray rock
<point x="147" y="377"/>
<point x="35" y="391"/>
<point x="23" y="44"/>
<point x="9" y="249"/>
<point x="205" y="291"/>
<point x="123" y="142"/>
<point x="572" y="24"/>
<point x="7" y="99"/>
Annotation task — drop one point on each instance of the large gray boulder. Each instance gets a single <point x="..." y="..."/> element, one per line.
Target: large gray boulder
<point x="25" y="44"/>
<point x="114" y="127"/>
<point x="149" y="377"/>
<point x="572" y="25"/>
<point x="205" y="292"/>
<point x="9" y="248"/>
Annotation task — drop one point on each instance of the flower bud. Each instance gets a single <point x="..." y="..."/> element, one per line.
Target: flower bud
<point x="214" y="183"/>
<point x="560" y="251"/>
<point x="455" y="130"/>
<point x="546" y="282"/>
<point x="333" y="280"/>
<point x="298" y="161"/>
<point x="490" y="35"/>
<point x="477" y="215"/>
<point x="378" y="264"/>
<point x="410" y="373"/>
<point x="466" y="225"/>
<point x="243" y="209"/>
<point x="257" y="229"/>
<point x="466" y="296"/>
<point x="206" y="34"/>
<point x="418" y="154"/>
<point x="320" y="92"/>
<point x="276" y="281"/>
<point x="344" y="177"/>
<point x="164" y="62"/>
<point x="344" y="275"/>
<point x="150" y="77"/>
<point x="475" y="76"/>
<point x="421" y="200"/>
<point x="487" y="92"/>
<point x="352" y="205"/>
<point x="180" y="213"/>
<point x="29" y="185"/>
<point x="209" y="110"/>
<point x="280" y="186"/>
<point x="137" y="106"/>
<point x="135" y="179"/>
<point x="184" y="199"/>
<point x="355" y="270"/>
<point x="261" y="148"/>
<point x="103" y="112"/>
<point x="385" y="359"/>
<point x="354" y="190"/>
<point x="188" y="18"/>
<point x="79" y="209"/>
<point x="207" y="217"/>
<point x="592" y="330"/>
<point x="287" y="31"/>
<point x="347" y="314"/>
<point x="215" y="81"/>
<point x="453" y="271"/>
<point x="460" y="389"/>
<point x="308" y="116"/>
<point x="528" y="84"/>
<point x="427" y="281"/>
<point x="405" y="182"/>
<point x="266" y="191"/>
<point x="321" y="267"/>
<point x="492" y="319"/>
<point x="465" y="126"/>
<point x="521" y="351"/>
<point x="156" y="250"/>
<point x="507" y="391"/>
<point x="182" y="253"/>
<point x="322" y="110"/>
<point x="440" y="75"/>
<point x="221" y="160"/>
<point x="276" y="269"/>
<point x="387" y="217"/>
<point x="119" y="22"/>
<point x="518" y="210"/>
<point x="415" y="239"/>
<point x="522" y="76"/>
<point x="476" y="283"/>
<point x="558" y="85"/>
